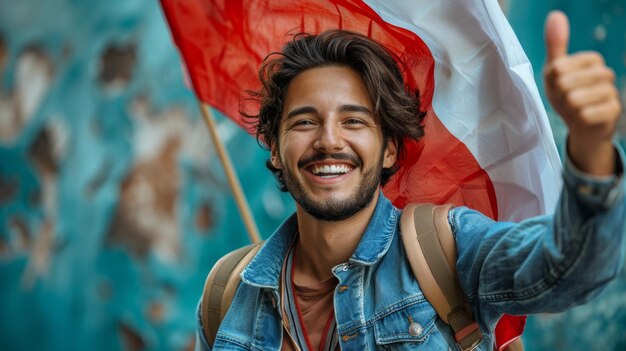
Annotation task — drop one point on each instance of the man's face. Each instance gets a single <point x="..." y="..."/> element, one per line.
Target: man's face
<point x="330" y="149"/>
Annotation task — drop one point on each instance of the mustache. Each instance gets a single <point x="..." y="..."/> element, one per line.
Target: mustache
<point x="321" y="156"/>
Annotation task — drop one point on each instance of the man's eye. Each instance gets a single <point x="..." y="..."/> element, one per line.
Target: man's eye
<point x="354" y="121"/>
<point x="303" y="122"/>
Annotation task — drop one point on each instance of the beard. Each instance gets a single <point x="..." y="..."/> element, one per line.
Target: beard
<point x="333" y="210"/>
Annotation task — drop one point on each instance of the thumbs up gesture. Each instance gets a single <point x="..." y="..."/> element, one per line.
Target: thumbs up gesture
<point x="581" y="88"/>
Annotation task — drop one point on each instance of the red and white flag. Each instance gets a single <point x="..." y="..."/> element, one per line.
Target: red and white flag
<point x="488" y="144"/>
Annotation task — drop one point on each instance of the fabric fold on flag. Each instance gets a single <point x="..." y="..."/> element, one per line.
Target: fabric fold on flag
<point x="486" y="96"/>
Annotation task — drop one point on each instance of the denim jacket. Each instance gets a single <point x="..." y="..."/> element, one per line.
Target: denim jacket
<point x="543" y="264"/>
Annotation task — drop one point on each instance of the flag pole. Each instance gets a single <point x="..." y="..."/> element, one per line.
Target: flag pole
<point x="233" y="180"/>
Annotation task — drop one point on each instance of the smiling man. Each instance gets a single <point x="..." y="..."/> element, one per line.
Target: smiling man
<point x="331" y="150"/>
<point x="335" y="114"/>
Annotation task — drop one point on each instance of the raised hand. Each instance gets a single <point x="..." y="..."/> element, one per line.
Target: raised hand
<point x="581" y="88"/>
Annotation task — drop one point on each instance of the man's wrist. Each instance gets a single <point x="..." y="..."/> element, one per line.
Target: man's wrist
<point x="594" y="158"/>
<point x="600" y="191"/>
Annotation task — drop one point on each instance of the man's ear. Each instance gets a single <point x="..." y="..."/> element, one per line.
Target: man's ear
<point x="391" y="153"/>
<point x="274" y="158"/>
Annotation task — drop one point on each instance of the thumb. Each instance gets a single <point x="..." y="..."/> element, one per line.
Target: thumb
<point x="556" y="35"/>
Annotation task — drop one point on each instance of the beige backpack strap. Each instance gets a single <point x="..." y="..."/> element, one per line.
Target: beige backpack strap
<point x="220" y="287"/>
<point x="431" y="251"/>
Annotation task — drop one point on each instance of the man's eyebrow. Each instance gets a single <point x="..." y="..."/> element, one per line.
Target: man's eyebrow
<point x="354" y="108"/>
<point x="342" y="108"/>
<point x="301" y="110"/>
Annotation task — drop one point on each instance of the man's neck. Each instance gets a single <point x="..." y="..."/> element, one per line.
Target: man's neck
<point x="323" y="245"/>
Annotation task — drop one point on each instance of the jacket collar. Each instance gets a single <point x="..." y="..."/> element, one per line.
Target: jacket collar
<point x="379" y="233"/>
<point x="264" y="269"/>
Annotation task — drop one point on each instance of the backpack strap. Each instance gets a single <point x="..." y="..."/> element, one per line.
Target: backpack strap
<point x="220" y="287"/>
<point x="431" y="251"/>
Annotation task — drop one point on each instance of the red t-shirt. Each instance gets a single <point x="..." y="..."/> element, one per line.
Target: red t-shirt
<point x="316" y="304"/>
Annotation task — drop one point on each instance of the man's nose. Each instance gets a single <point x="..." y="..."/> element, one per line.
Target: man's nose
<point x="329" y="138"/>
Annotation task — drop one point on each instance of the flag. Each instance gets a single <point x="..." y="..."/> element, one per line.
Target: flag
<point x="487" y="143"/>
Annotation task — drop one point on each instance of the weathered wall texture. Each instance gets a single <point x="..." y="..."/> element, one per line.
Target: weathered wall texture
<point x="113" y="205"/>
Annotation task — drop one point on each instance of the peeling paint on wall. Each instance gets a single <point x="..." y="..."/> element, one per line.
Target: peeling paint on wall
<point x="113" y="206"/>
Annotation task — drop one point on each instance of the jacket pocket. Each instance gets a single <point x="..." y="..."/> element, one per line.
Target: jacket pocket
<point x="409" y="327"/>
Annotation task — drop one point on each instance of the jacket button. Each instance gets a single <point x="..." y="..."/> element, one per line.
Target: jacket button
<point x="415" y="329"/>
<point x="585" y="189"/>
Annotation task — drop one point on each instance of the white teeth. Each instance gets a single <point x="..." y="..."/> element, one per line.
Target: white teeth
<point x="332" y="169"/>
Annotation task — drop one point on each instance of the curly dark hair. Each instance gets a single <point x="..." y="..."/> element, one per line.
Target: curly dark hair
<point x="396" y="107"/>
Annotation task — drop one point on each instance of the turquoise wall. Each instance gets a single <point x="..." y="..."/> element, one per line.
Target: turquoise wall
<point x="113" y="205"/>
